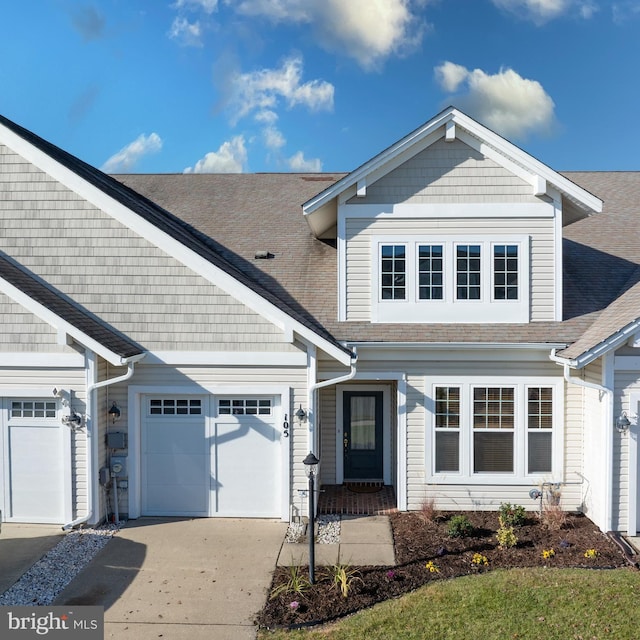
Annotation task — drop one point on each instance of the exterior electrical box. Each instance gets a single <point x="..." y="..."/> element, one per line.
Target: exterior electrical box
<point x="116" y="440"/>
<point x="119" y="466"/>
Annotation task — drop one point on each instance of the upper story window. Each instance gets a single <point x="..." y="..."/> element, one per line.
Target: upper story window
<point x="446" y="279"/>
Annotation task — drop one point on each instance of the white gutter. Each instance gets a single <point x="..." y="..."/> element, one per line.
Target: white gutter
<point x="311" y="400"/>
<point x="91" y="440"/>
<point x="608" y="440"/>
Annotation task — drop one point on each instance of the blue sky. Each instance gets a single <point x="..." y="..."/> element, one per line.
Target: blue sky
<point x="319" y="85"/>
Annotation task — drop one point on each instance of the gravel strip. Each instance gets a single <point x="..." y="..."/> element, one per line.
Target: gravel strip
<point x="54" y="571"/>
<point x="328" y="530"/>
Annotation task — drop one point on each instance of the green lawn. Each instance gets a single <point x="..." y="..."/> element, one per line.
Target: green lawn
<point x="523" y="604"/>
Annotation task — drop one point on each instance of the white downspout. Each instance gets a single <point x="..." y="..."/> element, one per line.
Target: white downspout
<point x="91" y="440"/>
<point x="313" y="435"/>
<point x="608" y="432"/>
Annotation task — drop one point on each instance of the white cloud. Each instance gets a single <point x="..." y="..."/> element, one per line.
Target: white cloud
<point x="208" y="6"/>
<point x="262" y="90"/>
<point x="299" y="163"/>
<point x="541" y="11"/>
<point x="186" y="33"/>
<point x="129" y="156"/>
<point x="231" y="157"/>
<point x="505" y="102"/>
<point x="273" y="138"/>
<point x="367" y="30"/>
<point x="625" y="11"/>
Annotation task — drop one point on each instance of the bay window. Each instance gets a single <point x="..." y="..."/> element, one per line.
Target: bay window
<point x="493" y="430"/>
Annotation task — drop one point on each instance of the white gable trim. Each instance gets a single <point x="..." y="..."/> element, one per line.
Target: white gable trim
<point x="472" y="133"/>
<point x="166" y="243"/>
<point x="62" y="326"/>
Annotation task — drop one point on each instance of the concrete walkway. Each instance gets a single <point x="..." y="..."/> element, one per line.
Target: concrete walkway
<point x="181" y="579"/>
<point x="21" y="546"/>
<point x="364" y="541"/>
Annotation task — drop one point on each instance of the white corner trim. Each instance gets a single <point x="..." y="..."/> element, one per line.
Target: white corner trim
<point x="361" y="189"/>
<point x="450" y="131"/>
<point x="632" y="439"/>
<point x="342" y="267"/>
<point x="539" y="186"/>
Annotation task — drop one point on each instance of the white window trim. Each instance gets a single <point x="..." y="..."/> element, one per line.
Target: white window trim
<point x="466" y="474"/>
<point x="450" y="310"/>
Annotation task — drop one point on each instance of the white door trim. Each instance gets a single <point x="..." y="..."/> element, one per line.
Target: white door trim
<point x="632" y="435"/>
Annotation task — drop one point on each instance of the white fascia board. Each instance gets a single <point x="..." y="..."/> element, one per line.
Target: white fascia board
<point x="449" y="210"/>
<point x="529" y="163"/>
<point x="59" y="323"/>
<point x="602" y="348"/>
<point x="227" y="358"/>
<point x="368" y="168"/>
<point x="163" y="241"/>
<point x="28" y="360"/>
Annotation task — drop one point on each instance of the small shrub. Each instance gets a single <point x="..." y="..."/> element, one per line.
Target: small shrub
<point x="297" y="583"/>
<point x="512" y="515"/>
<point x="343" y="576"/>
<point x="506" y="536"/>
<point x="553" y="517"/>
<point x="459" y="527"/>
<point x="428" y="509"/>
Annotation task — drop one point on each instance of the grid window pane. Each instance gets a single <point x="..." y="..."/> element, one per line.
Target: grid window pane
<point x="33" y="409"/>
<point x="505" y="272"/>
<point x="175" y="406"/>
<point x="393" y="272"/>
<point x="539" y="408"/>
<point x="468" y="272"/>
<point x="493" y="408"/>
<point x="447" y="407"/>
<point x="430" y="272"/>
<point x="244" y="407"/>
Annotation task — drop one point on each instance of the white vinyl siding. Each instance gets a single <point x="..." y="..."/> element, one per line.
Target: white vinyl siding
<point x="361" y="233"/>
<point x="111" y="270"/>
<point x="448" y="172"/>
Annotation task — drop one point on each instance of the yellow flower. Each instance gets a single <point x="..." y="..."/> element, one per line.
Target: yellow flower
<point x="479" y="560"/>
<point x="591" y="553"/>
<point x="548" y="553"/>
<point x="431" y="567"/>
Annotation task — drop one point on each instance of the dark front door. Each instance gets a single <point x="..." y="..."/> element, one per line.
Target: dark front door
<point x="362" y="435"/>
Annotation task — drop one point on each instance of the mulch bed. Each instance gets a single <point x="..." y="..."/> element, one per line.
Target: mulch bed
<point x="419" y="541"/>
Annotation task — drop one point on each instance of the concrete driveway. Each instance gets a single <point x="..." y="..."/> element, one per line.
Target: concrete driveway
<point x="21" y="546"/>
<point x="181" y="579"/>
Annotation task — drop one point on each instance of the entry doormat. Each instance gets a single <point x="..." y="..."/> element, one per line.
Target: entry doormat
<point x="364" y="487"/>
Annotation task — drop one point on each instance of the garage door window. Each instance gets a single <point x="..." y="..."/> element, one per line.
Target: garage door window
<point x="33" y="409"/>
<point x="175" y="406"/>
<point x="244" y="407"/>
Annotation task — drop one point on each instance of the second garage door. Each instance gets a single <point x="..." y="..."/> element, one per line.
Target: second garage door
<point x="210" y="456"/>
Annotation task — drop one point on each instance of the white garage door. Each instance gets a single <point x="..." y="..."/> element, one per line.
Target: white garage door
<point x="206" y="456"/>
<point x="33" y="457"/>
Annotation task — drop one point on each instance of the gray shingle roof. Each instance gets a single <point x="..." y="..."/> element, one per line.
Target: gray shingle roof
<point x="250" y="212"/>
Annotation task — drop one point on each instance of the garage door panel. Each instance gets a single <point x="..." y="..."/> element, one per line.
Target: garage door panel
<point x="246" y="478"/>
<point x="36" y="473"/>
<point x="177" y="469"/>
<point x="175" y="437"/>
<point x="193" y="501"/>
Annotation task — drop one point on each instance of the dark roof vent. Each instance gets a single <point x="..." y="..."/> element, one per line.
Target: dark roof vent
<point x="263" y="255"/>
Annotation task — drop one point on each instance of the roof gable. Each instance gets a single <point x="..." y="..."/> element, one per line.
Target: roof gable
<point x="450" y="125"/>
<point x="167" y="232"/>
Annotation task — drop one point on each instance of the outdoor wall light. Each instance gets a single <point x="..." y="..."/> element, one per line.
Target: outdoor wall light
<point x="114" y="413"/>
<point x="301" y="414"/>
<point x="623" y="423"/>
